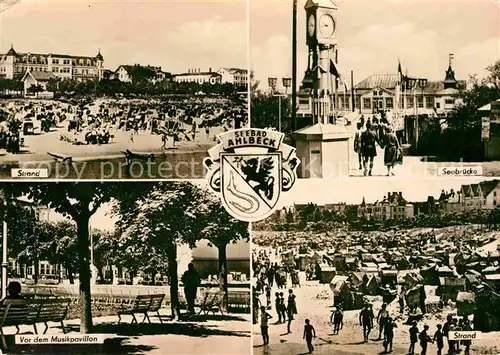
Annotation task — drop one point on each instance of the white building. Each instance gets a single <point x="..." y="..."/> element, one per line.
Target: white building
<point x="130" y="73"/>
<point x="37" y="78"/>
<point x="14" y="65"/>
<point x="393" y="206"/>
<point x="235" y="76"/>
<point x="197" y="76"/>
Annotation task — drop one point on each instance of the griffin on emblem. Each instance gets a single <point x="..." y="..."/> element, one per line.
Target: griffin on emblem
<point x="259" y="171"/>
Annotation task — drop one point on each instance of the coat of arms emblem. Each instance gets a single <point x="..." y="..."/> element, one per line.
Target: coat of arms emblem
<point x="250" y="168"/>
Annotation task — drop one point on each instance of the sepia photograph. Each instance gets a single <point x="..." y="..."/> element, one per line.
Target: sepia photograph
<point x="380" y="88"/>
<point x="117" y="90"/>
<point x="379" y="267"/>
<point x="140" y="268"/>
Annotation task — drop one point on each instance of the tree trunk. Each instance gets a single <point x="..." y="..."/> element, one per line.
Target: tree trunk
<point x="70" y="276"/>
<point x="36" y="270"/>
<point x="174" y="280"/>
<point x="153" y="275"/>
<point x="111" y="273"/>
<point x="223" y="267"/>
<point x="84" y="271"/>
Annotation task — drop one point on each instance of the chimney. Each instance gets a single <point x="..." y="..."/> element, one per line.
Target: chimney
<point x="210" y="69"/>
<point x="388" y="195"/>
<point x="400" y="194"/>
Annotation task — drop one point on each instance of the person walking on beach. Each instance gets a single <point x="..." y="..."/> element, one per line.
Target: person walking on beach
<point x="291" y="309"/>
<point x="366" y="321"/>
<point x="309" y="334"/>
<point x="282" y="307"/>
<point x="277" y="305"/>
<point x="381" y="319"/>
<point x="438" y="339"/>
<point x="389" y="334"/>
<point x="337" y="318"/>
<point x="264" y="326"/>
<point x="413" y="337"/>
<point x="425" y="339"/>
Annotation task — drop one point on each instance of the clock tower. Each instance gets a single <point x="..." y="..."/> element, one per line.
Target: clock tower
<point x="325" y="144"/>
<point x="321" y="39"/>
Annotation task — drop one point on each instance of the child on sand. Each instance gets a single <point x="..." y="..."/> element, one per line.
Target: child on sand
<point x="309" y="334"/>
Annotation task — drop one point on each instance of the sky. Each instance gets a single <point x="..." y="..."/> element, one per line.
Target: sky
<point x="176" y="35"/>
<point x="373" y="34"/>
<point x="352" y="191"/>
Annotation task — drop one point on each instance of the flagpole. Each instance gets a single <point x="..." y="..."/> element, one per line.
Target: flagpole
<point x="353" y="99"/>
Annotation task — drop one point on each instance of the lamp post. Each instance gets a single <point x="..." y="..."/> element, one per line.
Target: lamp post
<point x="273" y="81"/>
<point x="422" y="83"/>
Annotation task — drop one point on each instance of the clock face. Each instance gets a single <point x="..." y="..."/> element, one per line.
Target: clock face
<point x="327" y="25"/>
<point x="311" y="25"/>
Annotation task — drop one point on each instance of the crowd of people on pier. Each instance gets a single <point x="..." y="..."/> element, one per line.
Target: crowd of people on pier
<point x="373" y="133"/>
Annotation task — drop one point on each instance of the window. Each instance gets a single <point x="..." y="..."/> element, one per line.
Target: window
<point x="410" y="102"/>
<point x="438" y="105"/>
<point x="449" y="101"/>
<point x="55" y="69"/>
<point x="389" y="103"/>
<point x="429" y="101"/>
<point x="66" y="61"/>
<point x="55" y="61"/>
<point x="74" y="62"/>
<point x="367" y="103"/>
<point x="420" y="101"/>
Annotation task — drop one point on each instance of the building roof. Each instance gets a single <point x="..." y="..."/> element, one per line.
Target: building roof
<point x="211" y="73"/>
<point x="390" y="81"/>
<point x="488" y="186"/>
<point x="11" y="51"/>
<point x="40" y="75"/>
<point x="386" y="81"/>
<point x="99" y="56"/>
<point x="235" y="70"/>
<point x="450" y="76"/>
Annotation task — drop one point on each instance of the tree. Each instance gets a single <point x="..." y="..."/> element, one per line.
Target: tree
<point x="35" y="89"/>
<point x="53" y="85"/>
<point x="461" y="139"/>
<point x="493" y="78"/>
<point x="155" y="222"/>
<point x="78" y="201"/>
<point x="265" y="113"/>
<point x="64" y="247"/>
<point x="220" y="230"/>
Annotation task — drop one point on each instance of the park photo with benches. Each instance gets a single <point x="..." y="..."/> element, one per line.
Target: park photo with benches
<point x="111" y="258"/>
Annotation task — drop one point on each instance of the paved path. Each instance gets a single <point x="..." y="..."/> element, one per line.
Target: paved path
<point x="224" y="335"/>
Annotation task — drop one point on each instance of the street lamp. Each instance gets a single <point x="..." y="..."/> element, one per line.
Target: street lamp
<point x="273" y="81"/>
<point x="287" y="82"/>
<point x="422" y="83"/>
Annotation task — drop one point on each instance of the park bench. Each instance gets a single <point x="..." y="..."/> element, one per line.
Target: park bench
<point x="61" y="158"/>
<point x="212" y="302"/>
<point x="16" y="312"/>
<point x="143" y="304"/>
<point x="239" y="299"/>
